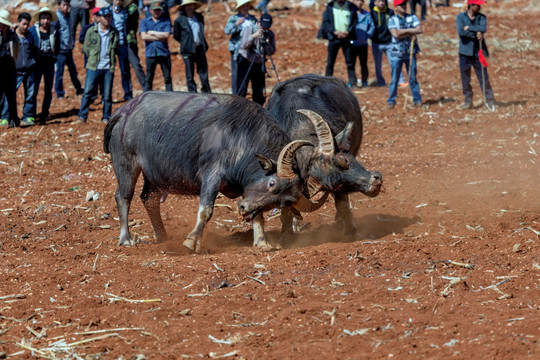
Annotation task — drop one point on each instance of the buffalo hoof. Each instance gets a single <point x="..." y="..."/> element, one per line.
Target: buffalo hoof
<point x="264" y="246"/>
<point x="125" y="242"/>
<point x="190" y="244"/>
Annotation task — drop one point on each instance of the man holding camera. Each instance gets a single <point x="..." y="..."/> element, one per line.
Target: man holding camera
<point x="255" y="43"/>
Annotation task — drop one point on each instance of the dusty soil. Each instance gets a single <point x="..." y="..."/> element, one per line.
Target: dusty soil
<point x="448" y="263"/>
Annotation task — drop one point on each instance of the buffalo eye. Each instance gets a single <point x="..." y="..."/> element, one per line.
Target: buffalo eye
<point x="271" y="184"/>
<point x="342" y="161"/>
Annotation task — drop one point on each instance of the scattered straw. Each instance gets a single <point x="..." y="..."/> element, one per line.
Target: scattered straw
<point x="113" y="298"/>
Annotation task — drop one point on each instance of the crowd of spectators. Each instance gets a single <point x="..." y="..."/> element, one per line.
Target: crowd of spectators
<point x="32" y="53"/>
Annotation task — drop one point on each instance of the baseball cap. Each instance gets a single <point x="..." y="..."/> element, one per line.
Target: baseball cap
<point x="104" y="11"/>
<point x="399" y="2"/>
<point x="95" y="10"/>
<point x="475" y="2"/>
<point x="266" y="20"/>
<point x="156" y="5"/>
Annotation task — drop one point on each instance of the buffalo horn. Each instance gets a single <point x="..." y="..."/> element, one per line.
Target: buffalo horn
<point x="305" y="205"/>
<point x="313" y="186"/>
<point x="286" y="156"/>
<point x="343" y="139"/>
<point x="324" y="134"/>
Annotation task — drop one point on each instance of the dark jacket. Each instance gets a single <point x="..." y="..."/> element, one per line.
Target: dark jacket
<point x="132" y="25"/>
<point x="92" y="47"/>
<point x="468" y="43"/>
<point x="27" y="53"/>
<point x="54" y="37"/>
<point x="183" y="34"/>
<point x="10" y="44"/>
<point x="381" y="35"/>
<point x="327" y="27"/>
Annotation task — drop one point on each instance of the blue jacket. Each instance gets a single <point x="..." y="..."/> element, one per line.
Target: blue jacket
<point x="364" y="28"/>
<point x="327" y="27"/>
<point x="468" y="43"/>
<point x="54" y="38"/>
<point x="27" y="53"/>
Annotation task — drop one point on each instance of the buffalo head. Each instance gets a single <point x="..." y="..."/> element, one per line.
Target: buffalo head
<point x="333" y="168"/>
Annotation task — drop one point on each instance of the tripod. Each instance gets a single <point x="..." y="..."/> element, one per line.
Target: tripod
<point x="260" y="51"/>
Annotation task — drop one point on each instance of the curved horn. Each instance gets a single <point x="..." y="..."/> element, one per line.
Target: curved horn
<point x="324" y="134"/>
<point x="285" y="159"/>
<point x="305" y="205"/>
<point x="313" y="186"/>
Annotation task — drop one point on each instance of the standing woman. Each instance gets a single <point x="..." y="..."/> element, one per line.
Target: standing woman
<point x="189" y="32"/>
<point x="234" y="27"/>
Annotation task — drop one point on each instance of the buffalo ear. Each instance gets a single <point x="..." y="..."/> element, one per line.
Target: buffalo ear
<point x="267" y="164"/>
<point x="343" y="139"/>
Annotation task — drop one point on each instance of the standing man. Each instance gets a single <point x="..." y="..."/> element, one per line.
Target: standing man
<point x="9" y="51"/>
<point x="189" y="32"/>
<point x="233" y="28"/>
<point x="25" y="64"/>
<point x="100" y="45"/>
<point x="155" y="31"/>
<point x="119" y="22"/>
<point x="338" y="25"/>
<point x="133" y="47"/>
<point x="404" y="28"/>
<point x="80" y="13"/>
<point x="471" y="26"/>
<point x="65" y="57"/>
<point x="364" y="30"/>
<point x="47" y="41"/>
<point x="255" y="43"/>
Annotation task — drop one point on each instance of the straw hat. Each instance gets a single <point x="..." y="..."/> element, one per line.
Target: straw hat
<point x="4" y="18"/>
<point x="45" y="10"/>
<point x="124" y="3"/>
<point x="198" y="4"/>
<point x="243" y="2"/>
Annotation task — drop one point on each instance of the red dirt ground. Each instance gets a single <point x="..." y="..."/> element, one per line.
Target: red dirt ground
<point x="461" y="187"/>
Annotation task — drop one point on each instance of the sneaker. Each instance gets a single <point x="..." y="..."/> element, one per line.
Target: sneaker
<point x="466" y="105"/>
<point x="390" y="105"/>
<point x="80" y="92"/>
<point x="105" y="120"/>
<point x="127" y="97"/>
<point x="4" y="123"/>
<point x="365" y="84"/>
<point x="403" y="84"/>
<point x="80" y="121"/>
<point x="29" y="121"/>
<point x="418" y="104"/>
<point x="491" y="104"/>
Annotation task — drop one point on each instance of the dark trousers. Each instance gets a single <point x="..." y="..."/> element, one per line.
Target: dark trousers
<point x="133" y="56"/>
<point x="76" y="16"/>
<point x="44" y="69"/>
<point x="361" y="53"/>
<point x="333" y="48"/>
<point x="234" y="75"/>
<point x="465" y="64"/>
<point x="123" y="62"/>
<point x="255" y="74"/>
<point x="27" y="80"/>
<point x="63" y="59"/>
<point x="93" y="78"/>
<point x="423" y="7"/>
<point x="151" y="64"/>
<point x="199" y="59"/>
<point x="8" y="88"/>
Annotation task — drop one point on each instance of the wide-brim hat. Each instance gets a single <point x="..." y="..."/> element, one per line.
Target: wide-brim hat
<point x="243" y="2"/>
<point x="4" y="18"/>
<point x="124" y="3"/>
<point x="197" y="4"/>
<point x="45" y="10"/>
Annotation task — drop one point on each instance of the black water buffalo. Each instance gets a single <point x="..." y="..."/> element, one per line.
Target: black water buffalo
<point x="195" y="144"/>
<point x="333" y="120"/>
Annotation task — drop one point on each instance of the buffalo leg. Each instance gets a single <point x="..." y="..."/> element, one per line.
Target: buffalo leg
<point x="150" y="197"/>
<point x="288" y="223"/>
<point x="344" y="214"/>
<point x="209" y="190"/>
<point x="259" y="238"/>
<point x="127" y="178"/>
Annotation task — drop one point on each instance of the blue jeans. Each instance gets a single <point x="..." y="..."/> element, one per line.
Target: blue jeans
<point x="397" y="64"/>
<point x="44" y="69"/>
<point x="123" y="61"/>
<point x="62" y="60"/>
<point x="27" y="79"/>
<point x="90" y="89"/>
<point x="262" y="6"/>
<point x="378" y="50"/>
